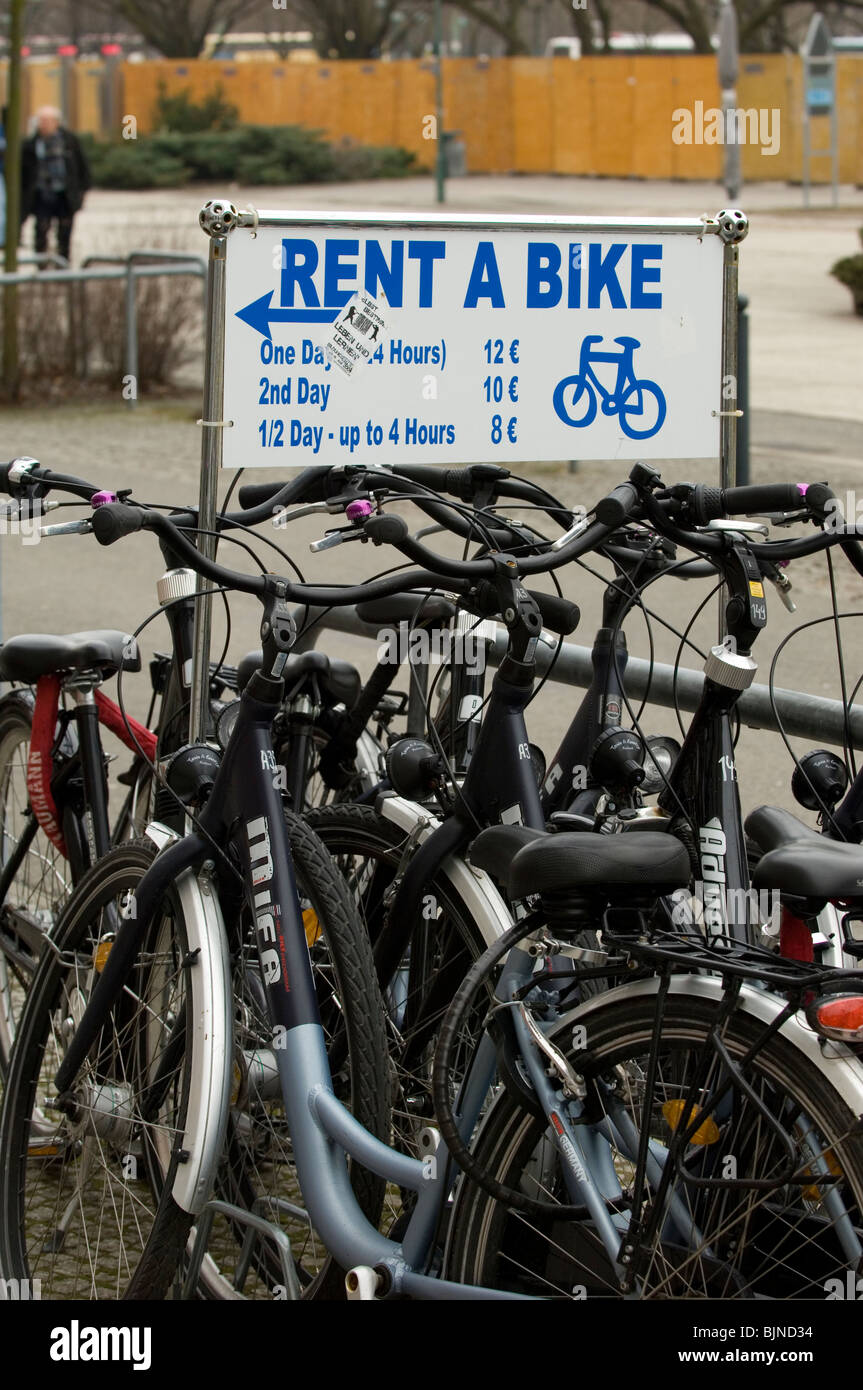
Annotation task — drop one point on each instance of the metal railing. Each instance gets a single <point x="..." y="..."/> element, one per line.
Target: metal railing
<point x="794" y="713"/>
<point x="132" y="267"/>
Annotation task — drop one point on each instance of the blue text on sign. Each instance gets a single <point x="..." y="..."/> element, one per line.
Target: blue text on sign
<point x="616" y="276"/>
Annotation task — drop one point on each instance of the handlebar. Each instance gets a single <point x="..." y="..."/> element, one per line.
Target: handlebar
<point x="116" y="519"/>
<point x="317" y="484"/>
<point x="815" y="499"/>
<point x="710" y="503"/>
<point x="22" y="477"/>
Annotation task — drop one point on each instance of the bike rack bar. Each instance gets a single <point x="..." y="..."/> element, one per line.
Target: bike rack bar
<point x="799" y="715"/>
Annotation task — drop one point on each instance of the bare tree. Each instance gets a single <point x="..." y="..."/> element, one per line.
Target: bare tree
<point x="354" y="28"/>
<point x="179" y="28"/>
<point x="502" y="17"/>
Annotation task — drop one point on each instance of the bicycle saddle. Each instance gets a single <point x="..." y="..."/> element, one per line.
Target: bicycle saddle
<point x="404" y="607"/>
<point x="813" y="868"/>
<point x="771" y="827"/>
<point x="339" y="679"/>
<point x="36" y="654"/>
<point x="545" y="863"/>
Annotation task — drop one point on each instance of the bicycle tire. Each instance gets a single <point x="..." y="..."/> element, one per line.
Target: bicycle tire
<point x="494" y="1246"/>
<point x="368" y="849"/>
<point x="113" y="1157"/>
<point x="43" y="880"/>
<point x="256" y="1164"/>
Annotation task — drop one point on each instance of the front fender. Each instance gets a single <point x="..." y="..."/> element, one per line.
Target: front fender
<point x="477" y="891"/>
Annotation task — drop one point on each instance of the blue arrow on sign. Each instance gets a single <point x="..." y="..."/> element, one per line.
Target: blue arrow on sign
<point x="260" y="314"/>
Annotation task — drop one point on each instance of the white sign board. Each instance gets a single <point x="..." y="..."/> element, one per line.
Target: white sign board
<point x="453" y="344"/>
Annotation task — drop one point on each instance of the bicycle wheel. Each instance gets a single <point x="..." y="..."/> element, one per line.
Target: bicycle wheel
<point x="635" y="404"/>
<point x="567" y="395"/>
<point x="446" y="940"/>
<point x="257" y="1171"/>
<point x="784" y="1240"/>
<point x="42" y="881"/>
<point x="85" y="1204"/>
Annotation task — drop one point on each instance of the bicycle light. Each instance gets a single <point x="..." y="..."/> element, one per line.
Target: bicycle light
<point x="819" y="780"/>
<point x="414" y="768"/>
<point x="837" y="1016"/>
<point x="191" y="772"/>
<point x="617" y="759"/>
<point x="662" y="753"/>
<point x="225" y="724"/>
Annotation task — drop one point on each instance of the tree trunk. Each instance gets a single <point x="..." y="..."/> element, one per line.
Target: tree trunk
<point x="11" y="367"/>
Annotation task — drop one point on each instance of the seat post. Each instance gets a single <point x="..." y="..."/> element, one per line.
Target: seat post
<point x="80" y="687"/>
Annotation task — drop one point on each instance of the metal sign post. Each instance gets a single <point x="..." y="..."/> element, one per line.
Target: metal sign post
<point x="217" y="219"/>
<point x="374" y="338"/>
<point x="819" y="99"/>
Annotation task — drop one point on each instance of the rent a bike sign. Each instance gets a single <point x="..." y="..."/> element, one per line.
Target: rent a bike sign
<point x="428" y="338"/>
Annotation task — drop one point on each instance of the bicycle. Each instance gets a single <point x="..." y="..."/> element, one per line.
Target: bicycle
<point x="626" y="874"/>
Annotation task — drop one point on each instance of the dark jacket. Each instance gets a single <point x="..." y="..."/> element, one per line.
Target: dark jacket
<point x="77" y="173"/>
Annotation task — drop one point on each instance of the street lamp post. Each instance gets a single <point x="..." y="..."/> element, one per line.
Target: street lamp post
<point x="440" y="159"/>
<point x="13" y="199"/>
<point x="728" y="60"/>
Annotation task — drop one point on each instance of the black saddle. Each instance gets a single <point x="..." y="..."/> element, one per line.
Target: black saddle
<point x="815" y="868"/>
<point x="36" y="654"/>
<point x="432" y="610"/>
<point x="528" y="861"/>
<point x="771" y="827"/>
<point x="339" y="679"/>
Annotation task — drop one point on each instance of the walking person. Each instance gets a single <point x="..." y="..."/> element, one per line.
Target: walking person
<point x="54" y="178"/>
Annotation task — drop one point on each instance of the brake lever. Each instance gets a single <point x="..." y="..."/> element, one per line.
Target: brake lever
<point x="784" y="518"/>
<point x="779" y="579"/>
<point x="27" y="507"/>
<point x="358" y="511"/>
<point x="68" y="528"/>
<point x="284" y="517"/>
<point x="337" y="537"/>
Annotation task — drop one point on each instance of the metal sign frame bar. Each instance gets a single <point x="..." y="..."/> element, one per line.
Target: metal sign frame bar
<point x="219" y="217"/>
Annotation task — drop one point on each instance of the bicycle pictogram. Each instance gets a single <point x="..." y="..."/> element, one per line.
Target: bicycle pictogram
<point x="639" y="404"/>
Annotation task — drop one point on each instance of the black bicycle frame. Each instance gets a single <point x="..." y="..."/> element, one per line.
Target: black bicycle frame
<point x="702" y="796"/>
<point x="244" y="812"/>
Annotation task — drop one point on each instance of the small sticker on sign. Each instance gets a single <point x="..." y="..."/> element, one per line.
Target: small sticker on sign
<point x="356" y="333"/>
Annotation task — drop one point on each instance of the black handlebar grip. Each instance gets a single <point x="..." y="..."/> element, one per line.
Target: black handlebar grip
<point x="425" y="474"/>
<point x="616" y="508"/>
<point x="115" y="520"/>
<point x="255" y="494"/>
<point x="386" y="530"/>
<point x="308" y="485"/>
<point x="558" y="614"/>
<point x="711" y="503"/>
<point x="4" y="477"/>
<point x="762" y="497"/>
<point x="821" y="501"/>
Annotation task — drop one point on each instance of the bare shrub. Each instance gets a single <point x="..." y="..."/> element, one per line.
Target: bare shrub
<point x="76" y="332"/>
